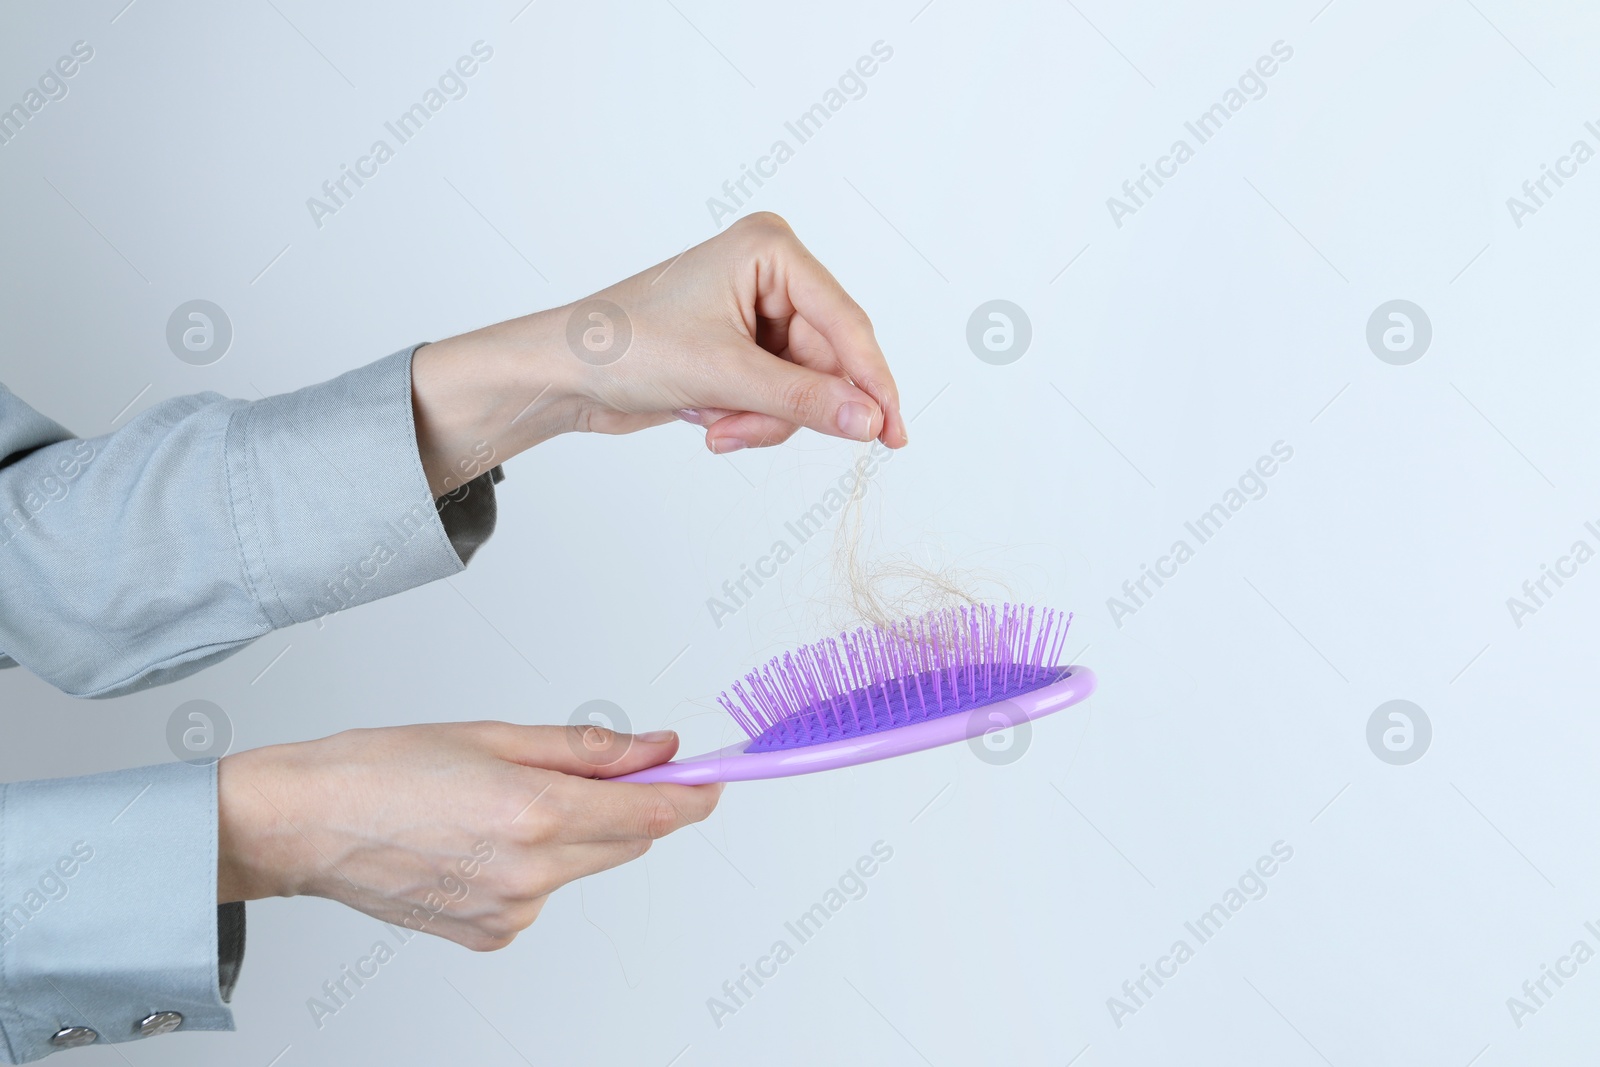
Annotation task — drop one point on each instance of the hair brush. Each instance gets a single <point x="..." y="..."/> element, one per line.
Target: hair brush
<point x="884" y="691"/>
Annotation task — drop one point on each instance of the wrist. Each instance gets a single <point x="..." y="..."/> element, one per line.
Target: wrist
<point x="256" y="856"/>
<point x="482" y="397"/>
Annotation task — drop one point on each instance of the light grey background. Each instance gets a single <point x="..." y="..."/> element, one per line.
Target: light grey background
<point x="1227" y="314"/>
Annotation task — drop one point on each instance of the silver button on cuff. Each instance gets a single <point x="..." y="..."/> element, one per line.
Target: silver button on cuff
<point x="73" y="1037"/>
<point x="162" y="1022"/>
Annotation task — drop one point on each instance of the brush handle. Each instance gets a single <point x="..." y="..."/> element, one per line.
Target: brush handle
<point x="734" y="764"/>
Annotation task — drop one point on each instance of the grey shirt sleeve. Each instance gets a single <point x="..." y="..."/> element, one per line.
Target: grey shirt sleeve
<point x="109" y="924"/>
<point x="137" y="558"/>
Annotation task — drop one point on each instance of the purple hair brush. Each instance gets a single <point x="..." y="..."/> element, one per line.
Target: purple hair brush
<point x="930" y="680"/>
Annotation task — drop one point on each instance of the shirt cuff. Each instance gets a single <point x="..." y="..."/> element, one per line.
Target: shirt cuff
<point x="330" y="502"/>
<point x="110" y="929"/>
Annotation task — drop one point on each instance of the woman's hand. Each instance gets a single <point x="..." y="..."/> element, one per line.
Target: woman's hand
<point x="746" y="335"/>
<point x="460" y="830"/>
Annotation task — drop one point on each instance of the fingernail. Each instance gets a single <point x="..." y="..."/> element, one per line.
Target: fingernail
<point x="688" y="415"/>
<point x="723" y="445"/>
<point x="854" y="421"/>
<point x="655" y="737"/>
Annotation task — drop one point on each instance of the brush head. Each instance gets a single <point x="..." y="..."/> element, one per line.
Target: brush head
<point x="889" y="691"/>
<point x="885" y="677"/>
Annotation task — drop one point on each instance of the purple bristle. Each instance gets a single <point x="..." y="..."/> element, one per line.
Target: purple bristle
<point x="925" y="667"/>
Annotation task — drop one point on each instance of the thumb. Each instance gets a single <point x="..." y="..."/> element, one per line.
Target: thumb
<point x="626" y="753"/>
<point x="584" y="751"/>
<point x="755" y="380"/>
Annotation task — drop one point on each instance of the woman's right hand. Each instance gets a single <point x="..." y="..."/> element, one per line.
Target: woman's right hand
<point x="746" y="335"/>
<point x="455" y="829"/>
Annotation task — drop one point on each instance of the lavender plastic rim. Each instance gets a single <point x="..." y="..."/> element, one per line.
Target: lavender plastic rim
<point x="734" y="764"/>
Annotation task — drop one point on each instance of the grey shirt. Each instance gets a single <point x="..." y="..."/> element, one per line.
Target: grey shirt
<point x="137" y="558"/>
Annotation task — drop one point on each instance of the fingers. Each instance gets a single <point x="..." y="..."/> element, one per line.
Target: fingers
<point x="584" y="751"/>
<point x="813" y="293"/>
<point x="703" y="416"/>
<point x="594" y="857"/>
<point x="802" y="345"/>
<point x="748" y="429"/>
<point x="577" y="808"/>
<point x="630" y="811"/>
<point x="535" y="877"/>
<point x="493" y="932"/>
<point x="732" y="430"/>
<point x="524" y="898"/>
<point x="583" y="827"/>
<point x="754" y="380"/>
